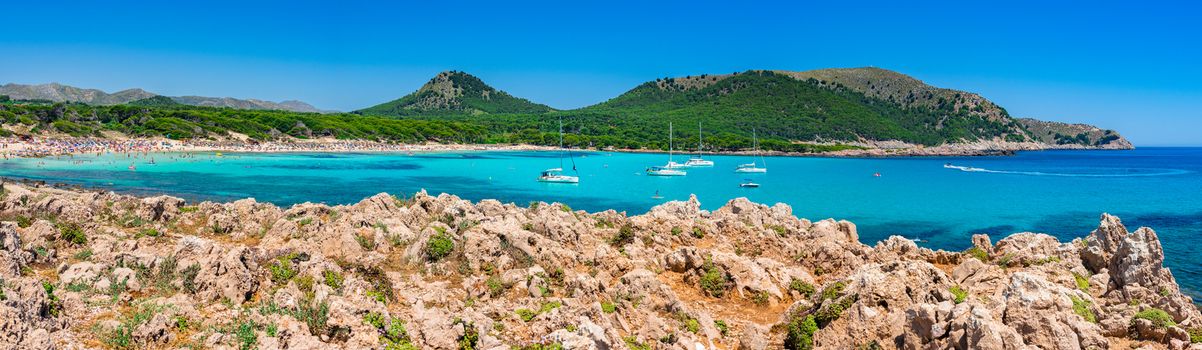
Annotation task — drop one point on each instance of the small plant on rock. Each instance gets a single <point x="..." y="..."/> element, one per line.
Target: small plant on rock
<point x="722" y="327"/>
<point x="958" y="294"/>
<point x="624" y="236"/>
<point x="800" y="333"/>
<point x="439" y="246"/>
<point x="805" y="289"/>
<point x="332" y="279"/>
<point x="72" y="233"/>
<point x="714" y="282"/>
<point x="1083" y="308"/>
<point x="282" y="270"/>
<point x="608" y="307"/>
<point x="1159" y="318"/>
<point x="977" y="253"/>
<point x="1082" y="282"/>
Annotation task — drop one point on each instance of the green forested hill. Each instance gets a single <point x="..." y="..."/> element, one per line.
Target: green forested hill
<point x="453" y="93"/>
<point x="786" y="108"/>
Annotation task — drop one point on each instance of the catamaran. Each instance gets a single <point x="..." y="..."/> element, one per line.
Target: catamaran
<point x="696" y="161"/>
<point x="672" y="168"/>
<point x="751" y="167"/>
<point x="556" y="174"/>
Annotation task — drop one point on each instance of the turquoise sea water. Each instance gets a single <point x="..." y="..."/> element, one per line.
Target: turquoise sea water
<point x="1057" y="192"/>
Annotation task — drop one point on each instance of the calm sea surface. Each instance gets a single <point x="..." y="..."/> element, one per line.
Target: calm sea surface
<point x="1057" y="192"/>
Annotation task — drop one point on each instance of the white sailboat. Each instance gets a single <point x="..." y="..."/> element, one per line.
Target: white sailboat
<point x="751" y="167"/>
<point x="696" y="161"/>
<point x="555" y="175"/>
<point x="672" y="168"/>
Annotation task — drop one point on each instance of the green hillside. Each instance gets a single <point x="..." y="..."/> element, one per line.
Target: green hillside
<point x="452" y="93"/>
<point x="786" y="108"/>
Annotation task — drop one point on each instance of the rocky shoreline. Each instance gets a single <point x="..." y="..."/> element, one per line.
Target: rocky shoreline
<point x="83" y="269"/>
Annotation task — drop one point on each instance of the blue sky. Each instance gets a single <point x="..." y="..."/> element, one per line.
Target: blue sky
<point x="1130" y="66"/>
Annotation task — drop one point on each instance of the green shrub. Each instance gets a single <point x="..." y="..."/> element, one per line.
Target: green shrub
<point x="1159" y="318"/>
<point x="977" y="253"/>
<point x="1082" y="282"/>
<point x="762" y="298"/>
<point x="53" y="304"/>
<point x="634" y="344"/>
<point x="831" y="311"/>
<point x="84" y="254"/>
<point x="526" y="314"/>
<point x="565" y="208"/>
<point x="676" y="230"/>
<point x="470" y="336"/>
<point x="624" y="236"/>
<point x="72" y="233"/>
<point x="332" y="279"/>
<point x="188" y="277"/>
<point x="800" y="333"/>
<point x="1083" y="308"/>
<point x="282" y="270"/>
<point x="714" y="282"/>
<point x="495" y="286"/>
<point x="692" y="325"/>
<point x="698" y="233"/>
<point x="439" y="246"/>
<point x="365" y="242"/>
<point x="802" y="287"/>
<point x="959" y="293"/>
<point x="1195" y="334"/>
<point x="833" y="291"/>
<point x="150" y="232"/>
<point x="722" y="327"/>
<point x="246" y="335"/>
<point x="608" y="307"/>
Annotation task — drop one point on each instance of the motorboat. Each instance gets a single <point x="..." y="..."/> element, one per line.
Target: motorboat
<point x="663" y="171"/>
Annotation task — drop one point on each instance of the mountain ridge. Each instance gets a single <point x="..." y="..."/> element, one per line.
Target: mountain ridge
<point x="57" y="92"/>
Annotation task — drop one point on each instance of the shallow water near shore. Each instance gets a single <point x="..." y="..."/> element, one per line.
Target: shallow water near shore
<point x="1056" y="192"/>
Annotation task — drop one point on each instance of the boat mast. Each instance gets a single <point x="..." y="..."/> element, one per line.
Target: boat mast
<point x="561" y="149"/>
<point x="669" y="142"/>
<point x="698" y="139"/>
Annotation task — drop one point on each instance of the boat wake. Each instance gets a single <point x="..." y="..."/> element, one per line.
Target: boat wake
<point x="1131" y="172"/>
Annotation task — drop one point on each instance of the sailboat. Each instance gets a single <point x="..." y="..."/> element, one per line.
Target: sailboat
<point x="697" y="161"/>
<point x="751" y="167"/>
<point x="672" y="168"/>
<point x="556" y="175"/>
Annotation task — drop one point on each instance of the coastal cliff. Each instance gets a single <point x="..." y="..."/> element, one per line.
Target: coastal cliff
<point x="89" y="269"/>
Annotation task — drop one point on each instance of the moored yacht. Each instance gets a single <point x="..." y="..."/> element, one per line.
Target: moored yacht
<point x="665" y="171"/>
<point x="751" y="167"/>
<point x="555" y="175"/>
<point x="670" y="169"/>
<point x="696" y="161"/>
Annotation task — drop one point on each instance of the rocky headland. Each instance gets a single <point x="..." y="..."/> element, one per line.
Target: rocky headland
<point x="82" y="269"/>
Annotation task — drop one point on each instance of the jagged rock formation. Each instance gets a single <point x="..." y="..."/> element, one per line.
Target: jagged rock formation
<point x="86" y="269"/>
<point x="1065" y="135"/>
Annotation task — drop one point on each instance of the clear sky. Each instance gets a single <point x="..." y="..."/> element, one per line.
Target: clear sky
<point x="1130" y="66"/>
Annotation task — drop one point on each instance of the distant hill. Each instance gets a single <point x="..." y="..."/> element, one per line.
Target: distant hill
<point x="63" y="93"/>
<point x="1065" y="135"/>
<point x="454" y="92"/>
<point x="56" y="92"/>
